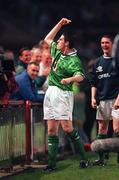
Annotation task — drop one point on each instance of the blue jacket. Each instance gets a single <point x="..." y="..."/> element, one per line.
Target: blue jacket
<point x="27" y="90"/>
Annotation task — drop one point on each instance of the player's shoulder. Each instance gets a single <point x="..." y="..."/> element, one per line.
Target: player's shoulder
<point x="99" y="58"/>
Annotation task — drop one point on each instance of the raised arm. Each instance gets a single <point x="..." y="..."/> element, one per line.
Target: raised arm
<point x="51" y="35"/>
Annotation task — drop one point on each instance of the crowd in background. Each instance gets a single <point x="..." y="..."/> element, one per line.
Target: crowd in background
<point x="26" y="21"/>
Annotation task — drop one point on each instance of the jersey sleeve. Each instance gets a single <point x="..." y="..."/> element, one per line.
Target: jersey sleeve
<point x="92" y="77"/>
<point x="76" y="67"/>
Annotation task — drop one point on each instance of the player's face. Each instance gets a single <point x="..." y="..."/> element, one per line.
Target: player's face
<point x="61" y="43"/>
<point x="106" y="45"/>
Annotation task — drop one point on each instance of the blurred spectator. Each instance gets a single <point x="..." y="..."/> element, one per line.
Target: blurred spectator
<point x="115" y="50"/>
<point x="45" y="62"/>
<point x="36" y="54"/>
<point x="25" y="80"/>
<point x="43" y="45"/>
<point x="9" y="55"/>
<point x="8" y="85"/>
<point x="24" y="59"/>
<point x="115" y="55"/>
<point x="45" y="67"/>
<point x="1" y="49"/>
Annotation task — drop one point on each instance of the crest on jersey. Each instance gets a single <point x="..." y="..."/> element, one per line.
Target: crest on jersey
<point x="99" y="69"/>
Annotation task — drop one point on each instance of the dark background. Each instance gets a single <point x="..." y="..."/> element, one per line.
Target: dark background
<point x="25" y="22"/>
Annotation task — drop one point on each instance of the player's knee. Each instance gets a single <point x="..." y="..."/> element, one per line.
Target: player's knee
<point x="52" y="132"/>
<point x="103" y="130"/>
<point x="67" y="129"/>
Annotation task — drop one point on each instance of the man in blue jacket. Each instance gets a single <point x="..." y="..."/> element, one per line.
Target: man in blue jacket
<point x="26" y="83"/>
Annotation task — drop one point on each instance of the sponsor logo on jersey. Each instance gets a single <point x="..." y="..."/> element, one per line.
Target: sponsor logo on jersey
<point x="106" y="75"/>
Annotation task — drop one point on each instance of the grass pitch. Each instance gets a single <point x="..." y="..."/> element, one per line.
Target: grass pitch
<point x="68" y="169"/>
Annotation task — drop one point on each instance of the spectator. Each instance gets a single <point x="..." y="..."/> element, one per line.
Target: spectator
<point x="43" y="45"/>
<point x="1" y="50"/>
<point x="24" y="59"/>
<point x="25" y="80"/>
<point x="9" y="55"/>
<point x="8" y="85"/>
<point x="45" y="68"/>
<point x="36" y="54"/>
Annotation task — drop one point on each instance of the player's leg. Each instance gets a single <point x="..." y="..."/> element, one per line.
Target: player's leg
<point x="75" y="138"/>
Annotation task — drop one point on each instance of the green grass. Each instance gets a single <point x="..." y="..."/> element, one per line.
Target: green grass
<point x="68" y="169"/>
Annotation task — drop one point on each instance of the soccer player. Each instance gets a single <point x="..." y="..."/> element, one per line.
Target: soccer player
<point x="105" y="89"/>
<point x="58" y="103"/>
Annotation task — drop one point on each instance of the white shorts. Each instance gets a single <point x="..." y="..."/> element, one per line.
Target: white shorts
<point x="105" y="110"/>
<point x="58" y="104"/>
<point x="115" y="113"/>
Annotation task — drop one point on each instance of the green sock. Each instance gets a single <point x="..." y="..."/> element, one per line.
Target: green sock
<point x="101" y="136"/>
<point x="74" y="136"/>
<point x="52" y="150"/>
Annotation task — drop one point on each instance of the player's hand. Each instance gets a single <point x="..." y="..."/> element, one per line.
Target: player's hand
<point x="66" y="81"/>
<point x="65" y="21"/>
<point x="93" y="103"/>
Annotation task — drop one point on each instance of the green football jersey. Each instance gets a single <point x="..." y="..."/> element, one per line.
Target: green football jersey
<point x="63" y="66"/>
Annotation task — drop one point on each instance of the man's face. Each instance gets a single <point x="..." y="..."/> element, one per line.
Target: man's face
<point x="61" y="43"/>
<point x="36" y="56"/>
<point x="106" y="45"/>
<point x="26" y="56"/>
<point x="46" y="58"/>
<point x="33" y="71"/>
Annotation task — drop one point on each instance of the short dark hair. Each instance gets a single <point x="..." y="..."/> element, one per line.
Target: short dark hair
<point x="23" y="49"/>
<point x="108" y="36"/>
<point x="69" y="36"/>
<point x="34" y="63"/>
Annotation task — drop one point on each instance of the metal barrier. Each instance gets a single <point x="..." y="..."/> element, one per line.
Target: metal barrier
<point x="12" y="132"/>
<point x="38" y="132"/>
<point x="35" y="132"/>
<point x="22" y="132"/>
